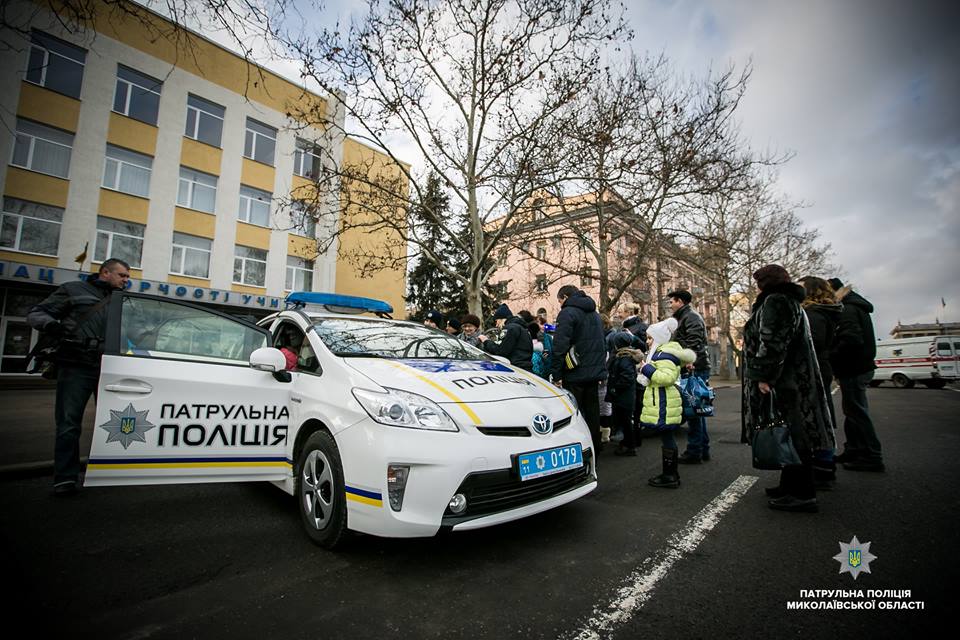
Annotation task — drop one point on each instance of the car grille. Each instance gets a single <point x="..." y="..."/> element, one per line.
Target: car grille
<point x="520" y="432"/>
<point x="490" y="492"/>
<point x="514" y="432"/>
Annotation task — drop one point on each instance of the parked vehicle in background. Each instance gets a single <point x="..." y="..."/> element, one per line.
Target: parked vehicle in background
<point x="930" y="360"/>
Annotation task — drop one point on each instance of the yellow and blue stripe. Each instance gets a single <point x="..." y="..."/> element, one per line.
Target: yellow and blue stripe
<point x="189" y="463"/>
<point x="364" y="496"/>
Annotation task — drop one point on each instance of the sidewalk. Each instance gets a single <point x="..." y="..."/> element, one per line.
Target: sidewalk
<point x="27" y="429"/>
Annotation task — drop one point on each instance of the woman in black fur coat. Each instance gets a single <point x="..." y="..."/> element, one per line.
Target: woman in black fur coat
<point x="779" y="357"/>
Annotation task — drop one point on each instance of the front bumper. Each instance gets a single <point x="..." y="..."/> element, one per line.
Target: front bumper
<point x="443" y="464"/>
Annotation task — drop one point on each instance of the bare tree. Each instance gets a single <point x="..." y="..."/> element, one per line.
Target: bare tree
<point x="473" y="86"/>
<point x="641" y="145"/>
<point x="736" y="235"/>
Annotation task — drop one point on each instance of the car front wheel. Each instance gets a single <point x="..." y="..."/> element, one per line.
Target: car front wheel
<point x="320" y="491"/>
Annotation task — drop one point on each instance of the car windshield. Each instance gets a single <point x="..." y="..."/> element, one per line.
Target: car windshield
<point x="361" y="337"/>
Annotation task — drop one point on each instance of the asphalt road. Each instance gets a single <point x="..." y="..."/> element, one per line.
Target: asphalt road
<point x="214" y="561"/>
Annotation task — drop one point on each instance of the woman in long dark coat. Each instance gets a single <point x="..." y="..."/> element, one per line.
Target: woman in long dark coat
<point x="824" y="312"/>
<point x="779" y="357"/>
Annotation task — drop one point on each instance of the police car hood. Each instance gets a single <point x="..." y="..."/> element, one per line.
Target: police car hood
<point x="491" y="391"/>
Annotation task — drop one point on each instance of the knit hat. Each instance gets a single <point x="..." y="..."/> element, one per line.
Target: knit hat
<point x="503" y="311"/>
<point x="454" y="324"/>
<point x="681" y="294"/>
<point x="771" y="275"/>
<point x="662" y="331"/>
<point x="434" y="316"/>
<point x="470" y="319"/>
<point x="836" y="283"/>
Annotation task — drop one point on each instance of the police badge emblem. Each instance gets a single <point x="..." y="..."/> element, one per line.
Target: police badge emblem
<point x="854" y="557"/>
<point x="127" y="426"/>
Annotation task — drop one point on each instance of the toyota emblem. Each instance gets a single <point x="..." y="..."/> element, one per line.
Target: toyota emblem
<point x="542" y="424"/>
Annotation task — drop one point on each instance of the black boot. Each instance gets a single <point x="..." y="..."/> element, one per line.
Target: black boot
<point x="669" y="479"/>
<point x="799" y="494"/>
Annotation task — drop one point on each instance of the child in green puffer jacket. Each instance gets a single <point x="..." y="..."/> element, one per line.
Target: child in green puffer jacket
<point x="662" y="405"/>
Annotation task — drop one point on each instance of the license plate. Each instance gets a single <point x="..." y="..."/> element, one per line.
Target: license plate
<point x="538" y="464"/>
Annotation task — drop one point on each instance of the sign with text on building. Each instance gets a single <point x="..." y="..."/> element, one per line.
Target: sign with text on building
<point x="21" y="272"/>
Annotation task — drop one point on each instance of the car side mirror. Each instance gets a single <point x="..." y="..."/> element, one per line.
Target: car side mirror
<point x="268" y="359"/>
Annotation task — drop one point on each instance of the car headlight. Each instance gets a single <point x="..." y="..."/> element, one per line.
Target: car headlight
<point x="397" y="408"/>
<point x="572" y="399"/>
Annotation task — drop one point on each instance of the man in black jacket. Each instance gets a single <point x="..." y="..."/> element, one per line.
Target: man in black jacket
<point x="516" y="343"/>
<point x="579" y="354"/>
<point x="692" y="334"/>
<point x="77" y="311"/>
<point x="852" y="358"/>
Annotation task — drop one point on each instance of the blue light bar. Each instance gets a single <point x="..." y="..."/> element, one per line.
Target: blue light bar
<point x="338" y="303"/>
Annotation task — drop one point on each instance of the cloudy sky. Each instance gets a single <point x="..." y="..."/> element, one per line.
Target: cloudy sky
<point x="866" y="95"/>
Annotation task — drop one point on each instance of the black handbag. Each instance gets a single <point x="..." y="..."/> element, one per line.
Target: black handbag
<point x="771" y="444"/>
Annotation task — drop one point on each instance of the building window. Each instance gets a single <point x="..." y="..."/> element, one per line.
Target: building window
<point x="542" y="250"/>
<point x="249" y="266"/>
<point x="306" y="159"/>
<point x="190" y="256"/>
<point x="204" y="120"/>
<point x="127" y="171"/>
<point x="254" y="206"/>
<point x="56" y="65"/>
<point x="137" y="95"/>
<point x="30" y="227"/>
<point x="556" y="242"/>
<point x="502" y="259"/>
<point x="42" y="149"/>
<point x="260" y="143"/>
<point x="501" y="291"/>
<point x="119" y="239"/>
<point x="541" y="284"/>
<point x="197" y="190"/>
<point x="303" y="220"/>
<point x="586" y="279"/>
<point x="299" y="274"/>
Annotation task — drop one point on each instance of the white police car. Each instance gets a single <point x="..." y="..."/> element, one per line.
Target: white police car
<point x="384" y="427"/>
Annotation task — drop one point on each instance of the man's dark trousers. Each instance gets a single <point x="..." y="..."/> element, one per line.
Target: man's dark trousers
<point x="698" y="440"/>
<point x="862" y="442"/>
<point x="587" y="395"/>
<point x="75" y="385"/>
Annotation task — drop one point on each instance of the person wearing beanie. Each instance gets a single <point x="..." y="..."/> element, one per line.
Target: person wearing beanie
<point x="470" y="326"/>
<point x="515" y="343"/>
<point x="692" y="334"/>
<point x="453" y="326"/>
<point x="621" y="390"/>
<point x="433" y="319"/>
<point x="781" y="374"/>
<point x="852" y="356"/>
<point x="662" y="406"/>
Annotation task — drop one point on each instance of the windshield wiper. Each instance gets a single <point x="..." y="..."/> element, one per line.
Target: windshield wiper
<point x="361" y="354"/>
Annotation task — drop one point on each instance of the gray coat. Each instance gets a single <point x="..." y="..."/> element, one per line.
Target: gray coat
<point x="778" y="349"/>
<point x="75" y="306"/>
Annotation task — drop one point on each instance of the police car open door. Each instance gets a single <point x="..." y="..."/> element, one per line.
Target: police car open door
<point x="179" y="402"/>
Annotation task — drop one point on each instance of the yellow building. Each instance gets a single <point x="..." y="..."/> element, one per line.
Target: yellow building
<point x="175" y="155"/>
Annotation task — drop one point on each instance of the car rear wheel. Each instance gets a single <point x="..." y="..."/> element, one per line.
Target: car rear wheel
<point x="935" y="384"/>
<point x="901" y="381"/>
<point x="320" y="492"/>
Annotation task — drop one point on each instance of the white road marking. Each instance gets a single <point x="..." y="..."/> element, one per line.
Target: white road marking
<point x="639" y="586"/>
<point x="953" y="389"/>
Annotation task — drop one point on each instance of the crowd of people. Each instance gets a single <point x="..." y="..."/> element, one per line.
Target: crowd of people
<point x="624" y="374"/>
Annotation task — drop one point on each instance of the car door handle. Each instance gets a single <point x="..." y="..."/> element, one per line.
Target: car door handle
<point x="129" y="388"/>
<point x="295" y="399"/>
